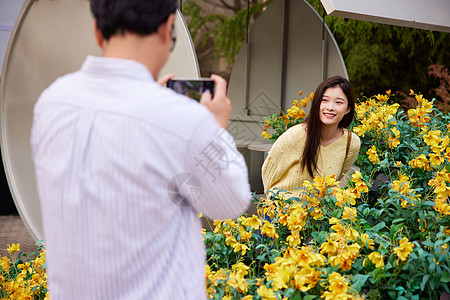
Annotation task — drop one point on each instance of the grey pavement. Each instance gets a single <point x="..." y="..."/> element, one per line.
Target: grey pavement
<point x="12" y="230"/>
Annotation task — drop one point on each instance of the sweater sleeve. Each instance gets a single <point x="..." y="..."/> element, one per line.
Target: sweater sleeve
<point x="281" y="157"/>
<point x="352" y="154"/>
<point x="270" y="173"/>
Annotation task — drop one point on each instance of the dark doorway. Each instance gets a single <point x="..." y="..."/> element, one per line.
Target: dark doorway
<point x="7" y="206"/>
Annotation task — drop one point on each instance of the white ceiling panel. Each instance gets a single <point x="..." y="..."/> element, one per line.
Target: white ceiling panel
<point x="422" y="14"/>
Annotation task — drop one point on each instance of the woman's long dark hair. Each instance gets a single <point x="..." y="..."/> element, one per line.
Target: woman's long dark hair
<point x="314" y="125"/>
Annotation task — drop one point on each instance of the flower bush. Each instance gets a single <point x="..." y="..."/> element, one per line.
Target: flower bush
<point x="23" y="277"/>
<point x="385" y="234"/>
<point x="279" y="124"/>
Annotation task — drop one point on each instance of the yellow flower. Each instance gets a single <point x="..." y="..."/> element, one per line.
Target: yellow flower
<point x="266" y="293"/>
<point x="293" y="239"/>
<point x="296" y="112"/>
<point x="316" y="213"/>
<point x="329" y="247"/>
<point x="373" y="156"/>
<point x="349" y="213"/>
<point x="25" y="267"/>
<point x="356" y="176"/>
<point x="230" y="240"/>
<point x="248" y="297"/>
<point x="266" y="135"/>
<point x="306" y="278"/>
<point x="401" y="185"/>
<point x="388" y="92"/>
<point x="345" y="196"/>
<point x="269" y="230"/>
<point x="367" y="241"/>
<point x="411" y="92"/>
<point x="418" y="162"/>
<point x="245" y="235"/>
<point x="362" y="187"/>
<point x="304" y="102"/>
<point x="321" y="185"/>
<point x="240" y="247"/>
<point x="382" y="98"/>
<point x="338" y="284"/>
<point x="404" y="249"/>
<point x="376" y="258"/>
<point x="4" y="264"/>
<point x="331" y="180"/>
<point x="355" y="193"/>
<point x="238" y="282"/>
<point x="442" y="206"/>
<point x="393" y="142"/>
<point x="333" y="220"/>
<point x="361" y="129"/>
<point x="240" y="268"/>
<point x="13" y="248"/>
<point x="352" y="234"/>
<point x="436" y="159"/>
<point x="433" y="138"/>
<point x="253" y="222"/>
<point x="338" y="228"/>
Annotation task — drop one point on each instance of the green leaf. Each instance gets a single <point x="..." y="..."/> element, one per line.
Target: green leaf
<point x="310" y="297"/>
<point x="398" y="220"/>
<point x="424" y="281"/>
<point x="431" y="267"/>
<point x="392" y="294"/>
<point x="445" y="277"/>
<point x="337" y="213"/>
<point x="379" y="226"/>
<point x="429" y="203"/>
<point x="297" y="297"/>
<point x="358" y="281"/>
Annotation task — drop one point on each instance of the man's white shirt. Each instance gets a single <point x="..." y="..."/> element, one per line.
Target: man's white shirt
<point x="123" y="168"/>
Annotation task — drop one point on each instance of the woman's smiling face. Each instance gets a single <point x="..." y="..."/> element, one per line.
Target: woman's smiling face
<point x="334" y="106"/>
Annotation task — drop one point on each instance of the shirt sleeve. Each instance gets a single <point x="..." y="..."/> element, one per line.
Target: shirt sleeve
<point x="352" y="154"/>
<point x="220" y="170"/>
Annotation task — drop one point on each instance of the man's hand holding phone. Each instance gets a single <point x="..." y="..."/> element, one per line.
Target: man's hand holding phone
<point x="213" y="96"/>
<point x="220" y="105"/>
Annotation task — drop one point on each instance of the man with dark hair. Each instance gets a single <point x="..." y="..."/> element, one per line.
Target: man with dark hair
<point x="124" y="166"/>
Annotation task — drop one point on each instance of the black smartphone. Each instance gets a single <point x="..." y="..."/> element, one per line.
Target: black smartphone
<point x="193" y="88"/>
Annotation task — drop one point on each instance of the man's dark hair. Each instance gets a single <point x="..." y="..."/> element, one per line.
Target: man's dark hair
<point x="142" y="17"/>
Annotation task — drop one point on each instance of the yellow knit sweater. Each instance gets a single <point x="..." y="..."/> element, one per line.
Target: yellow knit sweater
<point x="282" y="167"/>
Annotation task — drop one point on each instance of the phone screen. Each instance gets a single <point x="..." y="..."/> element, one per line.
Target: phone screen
<point x="192" y="88"/>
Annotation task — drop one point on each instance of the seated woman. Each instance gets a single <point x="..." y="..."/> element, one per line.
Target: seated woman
<point x="320" y="146"/>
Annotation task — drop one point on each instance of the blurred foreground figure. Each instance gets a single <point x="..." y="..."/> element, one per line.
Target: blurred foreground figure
<point x="124" y="166"/>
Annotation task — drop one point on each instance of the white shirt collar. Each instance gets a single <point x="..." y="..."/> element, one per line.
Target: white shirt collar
<point x="117" y="67"/>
